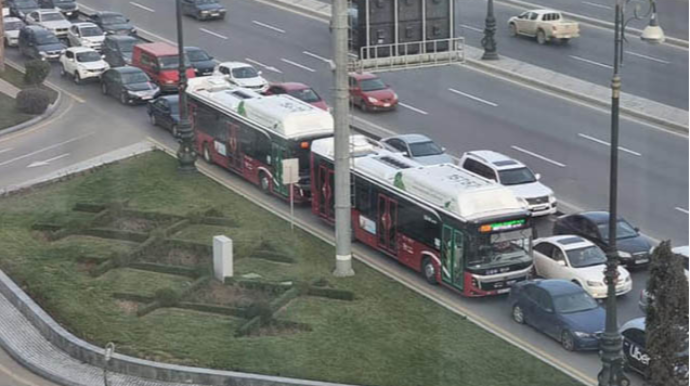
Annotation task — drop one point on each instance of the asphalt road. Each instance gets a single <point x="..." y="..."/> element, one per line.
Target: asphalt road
<point x="13" y="374"/>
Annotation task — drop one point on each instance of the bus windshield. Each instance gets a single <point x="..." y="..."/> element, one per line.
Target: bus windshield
<point x="500" y="249"/>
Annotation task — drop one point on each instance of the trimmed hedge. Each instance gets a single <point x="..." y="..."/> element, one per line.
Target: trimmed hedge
<point x="164" y="268"/>
<point x="230" y="311"/>
<point x="331" y="293"/>
<point x="33" y="101"/>
<point x="271" y="288"/>
<point x="116" y="234"/>
<point x="272" y="256"/>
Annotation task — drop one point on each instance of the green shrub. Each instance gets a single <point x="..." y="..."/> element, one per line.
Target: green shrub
<point x="36" y="72"/>
<point x="33" y="101"/>
<point x="167" y="297"/>
<point x="262" y="310"/>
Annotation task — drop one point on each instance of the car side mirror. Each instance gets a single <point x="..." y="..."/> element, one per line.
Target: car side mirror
<point x="259" y="72"/>
<point x="561" y="263"/>
<point x="637" y="229"/>
<point x="211" y="58"/>
<point x="443" y="149"/>
<point x="537" y="176"/>
<point x="127" y="20"/>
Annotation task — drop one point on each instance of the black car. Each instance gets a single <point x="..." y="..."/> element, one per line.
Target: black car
<point x="633" y="249"/>
<point x="203" y="9"/>
<point x="164" y="112"/>
<point x="129" y="84"/>
<point x="69" y="8"/>
<point x="36" y="42"/>
<point x="201" y="61"/>
<point x="117" y="50"/>
<point x="113" y="23"/>
<point x="20" y="8"/>
<point x="635" y="351"/>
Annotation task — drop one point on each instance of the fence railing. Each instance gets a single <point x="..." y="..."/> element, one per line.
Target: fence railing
<point x="426" y="53"/>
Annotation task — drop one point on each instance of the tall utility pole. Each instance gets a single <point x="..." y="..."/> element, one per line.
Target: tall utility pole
<point x="2" y="40"/>
<point x="186" y="155"/>
<point x="343" y="247"/>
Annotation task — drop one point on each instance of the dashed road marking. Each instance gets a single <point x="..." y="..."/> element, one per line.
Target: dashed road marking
<point x="48" y="161"/>
<point x="142" y="7"/>
<point x="416" y="110"/>
<point x="471" y="28"/>
<point x="653" y="59"/>
<point x="678" y="208"/>
<point x="313" y="55"/>
<point x="298" y="65"/>
<point x="473" y="97"/>
<point x="591" y="62"/>
<point x="213" y="33"/>
<point x="541" y="157"/>
<point x="270" y="68"/>
<point x="597" y="140"/>
<point x="21" y="157"/>
<point x="282" y="31"/>
<point x="5" y="150"/>
<point x="597" y="5"/>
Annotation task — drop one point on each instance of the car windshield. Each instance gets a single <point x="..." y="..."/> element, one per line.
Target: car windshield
<point x="307" y="95"/>
<point x="24" y="4"/>
<point x="372" y="84"/>
<point x="174" y="106"/>
<point x="499" y="249"/>
<point x="136" y="77"/>
<point x="206" y="1"/>
<point x="44" y="39"/>
<point x="623" y="230"/>
<point x="574" y="302"/>
<point x="586" y="257"/>
<point x="244" y="72"/>
<point x="198" y="56"/>
<point x="423" y="149"/>
<point x="13" y="25"/>
<point x="171" y="62"/>
<point x="127" y="45"/>
<point x="91" y="31"/>
<point x="114" y="19"/>
<point x="63" y="1"/>
<point x="87" y="57"/>
<point x="53" y="16"/>
<point x="516" y="176"/>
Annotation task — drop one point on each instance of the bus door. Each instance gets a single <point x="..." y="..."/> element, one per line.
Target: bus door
<point x="387" y="224"/>
<point x="452" y="257"/>
<point x="326" y="192"/>
<point x="278" y="153"/>
<point x="234" y="149"/>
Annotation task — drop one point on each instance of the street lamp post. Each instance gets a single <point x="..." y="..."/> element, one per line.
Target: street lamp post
<point x="109" y="351"/>
<point x="488" y="41"/>
<point x="611" y="373"/>
<point x="186" y="155"/>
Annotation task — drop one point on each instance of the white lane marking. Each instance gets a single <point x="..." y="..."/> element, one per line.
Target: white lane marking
<point x="678" y="208"/>
<point x="472" y="97"/>
<point x="21" y="157"/>
<point x="471" y="28"/>
<point x="413" y="108"/>
<point x="597" y="140"/>
<point x="321" y="58"/>
<point x="213" y="33"/>
<point x="270" y="68"/>
<point x="597" y="5"/>
<point x="298" y="65"/>
<point x="647" y="57"/>
<point x="268" y="26"/>
<point x="541" y="157"/>
<point x="591" y="62"/>
<point x="5" y="150"/>
<point x="142" y="7"/>
<point x="47" y="162"/>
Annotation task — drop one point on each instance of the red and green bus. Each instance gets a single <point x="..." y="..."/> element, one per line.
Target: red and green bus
<point x="465" y="232"/>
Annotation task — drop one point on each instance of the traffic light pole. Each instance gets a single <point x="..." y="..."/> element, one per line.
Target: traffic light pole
<point x="343" y="252"/>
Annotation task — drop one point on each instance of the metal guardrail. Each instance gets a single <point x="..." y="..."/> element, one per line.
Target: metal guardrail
<point x="425" y="53"/>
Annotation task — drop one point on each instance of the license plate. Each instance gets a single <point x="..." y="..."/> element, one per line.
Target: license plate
<point x="215" y="14"/>
<point x="146" y="98"/>
<point x="386" y="105"/>
<point x="69" y="13"/>
<point x="503" y="290"/>
<point x="641" y="261"/>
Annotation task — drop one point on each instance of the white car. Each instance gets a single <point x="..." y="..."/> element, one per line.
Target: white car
<point x="86" y="35"/>
<point x="242" y="75"/>
<point x="578" y="260"/>
<point x="82" y="63"/>
<point x="12" y="26"/>
<point x="51" y="20"/>
<point x="513" y="174"/>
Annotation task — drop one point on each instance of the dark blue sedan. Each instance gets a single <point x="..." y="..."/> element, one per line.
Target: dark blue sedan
<point x="560" y="309"/>
<point x="164" y="111"/>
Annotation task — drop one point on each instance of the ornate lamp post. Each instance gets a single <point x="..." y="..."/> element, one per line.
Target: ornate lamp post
<point x="488" y="41"/>
<point x="611" y="373"/>
<point x="186" y="155"/>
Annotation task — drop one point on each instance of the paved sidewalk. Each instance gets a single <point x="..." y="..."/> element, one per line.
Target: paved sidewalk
<point x="8" y="88"/>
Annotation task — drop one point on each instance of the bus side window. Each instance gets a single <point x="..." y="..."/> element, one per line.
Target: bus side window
<point x="363" y="197"/>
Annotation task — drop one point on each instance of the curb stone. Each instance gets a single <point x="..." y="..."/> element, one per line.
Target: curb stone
<point x="45" y="115"/>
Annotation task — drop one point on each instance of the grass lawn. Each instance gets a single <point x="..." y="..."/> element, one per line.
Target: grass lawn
<point x="388" y="335"/>
<point x="9" y="115"/>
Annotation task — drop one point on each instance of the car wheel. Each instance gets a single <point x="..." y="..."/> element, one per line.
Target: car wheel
<point x="567" y="341"/>
<point x="513" y="29"/>
<point x="518" y="314"/>
<point x="207" y="153"/>
<point x="363" y="106"/>
<point x="541" y="37"/>
<point x="152" y="119"/>
<point x="174" y="132"/>
<point x="429" y="271"/>
<point x="77" y="78"/>
<point x="104" y="89"/>
<point x="265" y="183"/>
<point x="123" y="98"/>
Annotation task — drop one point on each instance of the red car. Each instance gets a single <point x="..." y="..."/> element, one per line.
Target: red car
<point x="299" y="91"/>
<point x="368" y="92"/>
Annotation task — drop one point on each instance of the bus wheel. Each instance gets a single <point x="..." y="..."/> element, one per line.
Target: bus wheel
<point x="429" y="271"/>
<point x="207" y="153"/>
<point x="265" y="183"/>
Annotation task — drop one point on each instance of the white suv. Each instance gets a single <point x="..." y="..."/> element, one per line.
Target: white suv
<point x="514" y="175"/>
<point x="86" y="35"/>
<point x="82" y="63"/>
<point x="242" y="75"/>
<point x="51" y="20"/>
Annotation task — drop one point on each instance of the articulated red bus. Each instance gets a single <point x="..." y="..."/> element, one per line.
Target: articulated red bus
<point x="250" y="134"/>
<point x="457" y="229"/>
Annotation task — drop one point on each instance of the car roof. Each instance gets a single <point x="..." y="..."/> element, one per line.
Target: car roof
<point x="10" y="19"/>
<point x="120" y="37"/>
<point x="638" y="323"/>
<point x="567" y="242"/>
<point x="109" y="13"/>
<point x="291" y="86"/>
<point x="410" y="138"/>
<point x="363" y="75"/>
<point x="170" y="98"/>
<point x="543" y="11"/>
<point x="596" y="217"/>
<point x="127" y="69"/>
<point x="43" y="10"/>
<point x="232" y="65"/>
<point x="77" y="50"/>
<point x="85" y="24"/>
<point x="159" y="48"/>
<point x="498" y="160"/>
<point x="37" y="29"/>
<point x="192" y="48"/>
<point x="558" y="287"/>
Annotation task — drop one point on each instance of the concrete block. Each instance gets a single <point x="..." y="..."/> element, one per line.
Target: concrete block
<point x="222" y="258"/>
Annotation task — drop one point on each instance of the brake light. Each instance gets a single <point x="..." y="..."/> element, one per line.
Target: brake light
<point x="304" y="145"/>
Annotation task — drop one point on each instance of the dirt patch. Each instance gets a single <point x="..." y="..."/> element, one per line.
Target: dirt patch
<point x="87" y="265"/>
<point x="229" y="296"/>
<point x="133" y="224"/>
<point x="43" y="236"/>
<point x="177" y="257"/>
<point x="279" y="328"/>
<point x="127" y="306"/>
